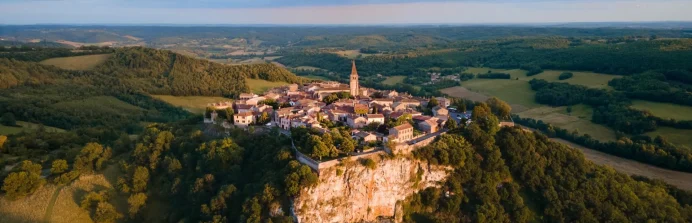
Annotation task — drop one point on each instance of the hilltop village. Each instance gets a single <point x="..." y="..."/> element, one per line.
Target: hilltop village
<point x="363" y="110"/>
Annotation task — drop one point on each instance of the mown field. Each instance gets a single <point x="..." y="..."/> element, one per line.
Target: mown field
<point x="259" y="86"/>
<point x="77" y="62"/>
<point x="578" y="120"/>
<point x="25" y="126"/>
<point x="194" y="104"/>
<point x="392" y="80"/>
<point x="664" y="110"/>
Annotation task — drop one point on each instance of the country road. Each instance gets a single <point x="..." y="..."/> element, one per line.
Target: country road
<point x="679" y="179"/>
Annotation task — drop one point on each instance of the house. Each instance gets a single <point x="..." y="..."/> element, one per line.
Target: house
<point x="361" y="109"/>
<point x="356" y="122"/>
<point x="365" y="136"/>
<point x="246" y="96"/>
<point x="443" y="102"/>
<point x="429" y="126"/>
<point x="440" y="111"/>
<point x="243" y="108"/>
<point x="372" y="118"/>
<point x="293" y="87"/>
<point x="382" y="101"/>
<point x="254" y="101"/>
<point x="390" y="94"/>
<point x="243" y="119"/>
<point x="401" y="133"/>
<point x="272" y="96"/>
<point x="212" y="119"/>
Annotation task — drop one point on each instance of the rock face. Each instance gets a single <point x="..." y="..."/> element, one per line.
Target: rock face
<point x="355" y="193"/>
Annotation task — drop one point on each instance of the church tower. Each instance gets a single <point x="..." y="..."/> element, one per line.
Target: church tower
<point x="354" y="80"/>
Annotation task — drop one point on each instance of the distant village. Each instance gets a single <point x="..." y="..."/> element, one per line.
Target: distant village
<point x="362" y="109"/>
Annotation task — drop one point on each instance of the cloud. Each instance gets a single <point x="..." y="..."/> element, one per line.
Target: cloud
<point x="508" y="11"/>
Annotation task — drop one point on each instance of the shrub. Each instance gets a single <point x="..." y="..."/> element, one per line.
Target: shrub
<point x="369" y="163"/>
<point x="339" y="172"/>
<point x="494" y="76"/>
<point x="565" y="76"/>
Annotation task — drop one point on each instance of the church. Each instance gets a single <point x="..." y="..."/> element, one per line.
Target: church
<point x="323" y="89"/>
<point x="353" y="84"/>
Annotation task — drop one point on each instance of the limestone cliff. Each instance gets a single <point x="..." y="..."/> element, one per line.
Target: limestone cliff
<point x="354" y="193"/>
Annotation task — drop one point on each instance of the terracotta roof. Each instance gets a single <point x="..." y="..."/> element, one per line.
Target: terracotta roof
<point x="431" y="122"/>
<point x="403" y="127"/>
<point x="375" y="116"/>
<point x="363" y="134"/>
<point x="242" y="106"/>
<point x="382" y="99"/>
<point x="421" y="118"/>
<point x="244" y="114"/>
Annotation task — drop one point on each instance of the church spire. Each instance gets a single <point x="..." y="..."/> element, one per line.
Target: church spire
<point x="353" y="68"/>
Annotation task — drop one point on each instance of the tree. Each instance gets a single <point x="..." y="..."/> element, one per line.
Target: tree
<point x="59" y="166"/>
<point x="136" y="202"/>
<point x="3" y="139"/>
<point x="347" y="145"/>
<point x="484" y="118"/>
<point x="569" y="109"/>
<point x="7" y="119"/>
<point x="451" y="124"/>
<point x="499" y="107"/>
<point x="432" y="103"/>
<point x="263" y="119"/>
<point x="330" y="99"/>
<point x="140" y="178"/>
<point x="106" y="213"/>
<point x="316" y="147"/>
<point x="20" y="184"/>
<point x="208" y="111"/>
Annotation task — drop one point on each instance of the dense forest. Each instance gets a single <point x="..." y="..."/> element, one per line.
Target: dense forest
<point x="511" y="175"/>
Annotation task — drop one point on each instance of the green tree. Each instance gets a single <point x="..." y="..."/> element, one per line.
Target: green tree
<point x="263" y="119"/>
<point x="106" y="213"/>
<point x="499" y="107"/>
<point x="316" y="147"/>
<point x="432" y="103"/>
<point x="140" y="179"/>
<point x="330" y="99"/>
<point x="20" y="184"/>
<point x="8" y="119"/>
<point x="3" y="139"/>
<point x="347" y="146"/>
<point x="484" y="118"/>
<point x="136" y="203"/>
<point x="59" y="166"/>
<point x="451" y="124"/>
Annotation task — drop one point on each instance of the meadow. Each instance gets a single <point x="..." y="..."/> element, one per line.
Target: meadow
<point x="87" y="62"/>
<point x="392" y="80"/>
<point x="259" y="86"/>
<point x="664" y="110"/>
<point x="673" y="135"/>
<point x="307" y="68"/>
<point x="194" y="104"/>
<point x="99" y="105"/>
<point x="578" y="120"/>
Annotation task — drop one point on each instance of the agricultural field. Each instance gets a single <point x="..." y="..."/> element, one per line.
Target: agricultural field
<point x="259" y="86"/>
<point x="588" y="79"/>
<point x="579" y="119"/>
<point x="352" y="54"/>
<point x="664" y="110"/>
<point x="392" y="80"/>
<point x="673" y="135"/>
<point x="25" y="126"/>
<point x="87" y="62"/>
<point x="194" y="104"/>
<point x="306" y="68"/>
<point x="61" y="204"/>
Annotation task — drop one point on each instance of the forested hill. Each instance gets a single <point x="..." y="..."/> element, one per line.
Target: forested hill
<point x="149" y="70"/>
<point x="164" y="72"/>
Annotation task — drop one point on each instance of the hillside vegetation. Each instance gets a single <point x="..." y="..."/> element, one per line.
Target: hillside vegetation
<point x="86" y="62"/>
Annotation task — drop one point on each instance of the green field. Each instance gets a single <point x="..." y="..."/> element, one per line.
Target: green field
<point x="664" y="110"/>
<point x="392" y="80"/>
<point x="579" y="120"/>
<point x="259" y="86"/>
<point x="589" y="79"/>
<point x="675" y="136"/>
<point x="194" y="104"/>
<point x="78" y="62"/>
<point x="25" y="126"/>
<point x="306" y="68"/>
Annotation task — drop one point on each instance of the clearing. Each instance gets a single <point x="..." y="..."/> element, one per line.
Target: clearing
<point x="259" y="86"/>
<point x="673" y="135"/>
<point x="307" y="68"/>
<point x="194" y="104"/>
<point x="664" y="110"/>
<point x="25" y="126"/>
<point x="579" y="120"/>
<point x="87" y="62"/>
<point x="393" y="80"/>
<point x="588" y="79"/>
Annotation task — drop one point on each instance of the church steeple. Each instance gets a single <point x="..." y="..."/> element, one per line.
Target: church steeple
<point x="353" y="68"/>
<point x="353" y="84"/>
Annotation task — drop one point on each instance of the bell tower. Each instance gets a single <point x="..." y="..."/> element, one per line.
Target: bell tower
<point x="354" y="80"/>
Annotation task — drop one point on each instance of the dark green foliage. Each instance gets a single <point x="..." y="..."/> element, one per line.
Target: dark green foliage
<point x="663" y="155"/>
<point x="655" y="86"/>
<point x="565" y="76"/>
<point x="531" y="69"/>
<point x="38" y="54"/>
<point x="7" y="119"/>
<point x="369" y="163"/>
<point x="494" y="76"/>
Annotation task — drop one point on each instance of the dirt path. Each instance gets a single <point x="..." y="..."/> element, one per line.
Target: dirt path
<point x="679" y="179"/>
<point x="51" y="203"/>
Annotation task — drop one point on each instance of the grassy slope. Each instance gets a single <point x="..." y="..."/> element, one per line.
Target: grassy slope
<point x="664" y="110"/>
<point x="676" y="136"/>
<point x="25" y="126"/>
<point x="194" y="104"/>
<point x="259" y="86"/>
<point x="77" y="62"/>
<point x="392" y="80"/>
<point x="100" y="104"/>
<point x="579" y="120"/>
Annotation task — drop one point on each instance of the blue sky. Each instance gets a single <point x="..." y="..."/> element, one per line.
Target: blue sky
<point x="339" y="11"/>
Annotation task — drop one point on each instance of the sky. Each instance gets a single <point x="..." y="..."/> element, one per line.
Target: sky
<point x="353" y="12"/>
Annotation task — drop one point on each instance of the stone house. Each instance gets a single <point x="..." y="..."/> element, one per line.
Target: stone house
<point x="401" y="133"/>
<point x="356" y="122"/>
<point x="243" y="119"/>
